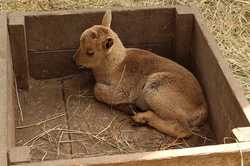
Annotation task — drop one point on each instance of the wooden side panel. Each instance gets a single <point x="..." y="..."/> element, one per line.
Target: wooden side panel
<point x="224" y="96"/>
<point x="7" y="136"/>
<point x="19" y="50"/>
<point x="3" y="90"/>
<point x="183" y="36"/>
<point x="63" y="30"/>
<point x="219" y="155"/>
<point x="11" y="96"/>
<point x="51" y="64"/>
<point x="53" y="38"/>
<point x="58" y="63"/>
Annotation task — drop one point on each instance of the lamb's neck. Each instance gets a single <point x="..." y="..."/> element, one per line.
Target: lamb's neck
<point x="104" y="71"/>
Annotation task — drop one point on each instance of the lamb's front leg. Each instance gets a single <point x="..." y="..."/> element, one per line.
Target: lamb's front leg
<point x="110" y="94"/>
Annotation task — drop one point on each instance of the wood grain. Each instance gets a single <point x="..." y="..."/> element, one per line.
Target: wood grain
<point x="19" y="154"/>
<point x="183" y="36"/>
<point x="19" y="50"/>
<point x="58" y="63"/>
<point x="62" y="30"/>
<point x="4" y="93"/>
<point x="242" y="134"/>
<point x="218" y="155"/>
<point x="53" y="37"/>
<point x="225" y="98"/>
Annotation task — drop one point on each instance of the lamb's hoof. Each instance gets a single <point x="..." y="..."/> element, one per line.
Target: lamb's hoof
<point x="140" y="118"/>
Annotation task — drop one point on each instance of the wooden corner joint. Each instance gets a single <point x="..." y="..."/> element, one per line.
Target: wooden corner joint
<point x="242" y="134"/>
<point x="183" y="10"/>
<point x="17" y="34"/>
<point x="15" y="19"/>
<point x="19" y="154"/>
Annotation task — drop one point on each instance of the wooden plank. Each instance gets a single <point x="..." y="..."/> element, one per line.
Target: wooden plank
<point x="225" y="98"/>
<point x="19" y="154"/>
<point x="242" y="134"/>
<point x="218" y="155"/>
<point x="19" y="50"/>
<point x="51" y="64"/>
<point x="50" y="52"/>
<point x="62" y="30"/>
<point x="44" y="116"/>
<point x="3" y="90"/>
<point x="58" y="63"/>
<point x="183" y="36"/>
<point x="11" y="94"/>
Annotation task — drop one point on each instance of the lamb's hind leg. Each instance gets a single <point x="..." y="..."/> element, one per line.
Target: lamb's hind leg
<point x="165" y="104"/>
<point x="169" y="127"/>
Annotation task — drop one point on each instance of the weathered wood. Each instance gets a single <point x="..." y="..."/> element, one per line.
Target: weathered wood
<point x="50" y="54"/>
<point x="183" y="36"/>
<point x="11" y="97"/>
<point x="242" y="134"/>
<point x="19" y="50"/>
<point x="53" y="38"/>
<point x="225" y="98"/>
<point x="58" y="63"/>
<point x="51" y="64"/>
<point x="19" y="154"/>
<point x="218" y="155"/>
<point x="41" y="104"/>
<point x="4" y="52"/>
<point x="62" y="30"/>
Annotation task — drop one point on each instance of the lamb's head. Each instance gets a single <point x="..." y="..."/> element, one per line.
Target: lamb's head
<point x="96" y="43"/>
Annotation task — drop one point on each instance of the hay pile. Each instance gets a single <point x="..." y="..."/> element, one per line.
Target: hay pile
<point x="228" y="20"/>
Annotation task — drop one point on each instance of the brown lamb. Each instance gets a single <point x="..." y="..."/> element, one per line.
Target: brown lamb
<point x="168" y="94"/>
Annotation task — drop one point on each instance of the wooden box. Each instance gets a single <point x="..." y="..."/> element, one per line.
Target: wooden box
<point x="40" y="46"/>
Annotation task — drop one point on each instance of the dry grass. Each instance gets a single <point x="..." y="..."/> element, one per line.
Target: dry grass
<point x="228" y="20"/>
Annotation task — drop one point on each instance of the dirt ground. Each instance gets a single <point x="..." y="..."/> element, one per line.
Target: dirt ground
<point x="62" y="119"/>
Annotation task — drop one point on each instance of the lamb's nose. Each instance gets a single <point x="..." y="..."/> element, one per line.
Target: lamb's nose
<point x="90" y="52"/>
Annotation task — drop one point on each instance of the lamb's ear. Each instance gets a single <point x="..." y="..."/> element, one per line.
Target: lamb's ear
<point x="108" y="43"/>
<point x="107" y="18"/>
